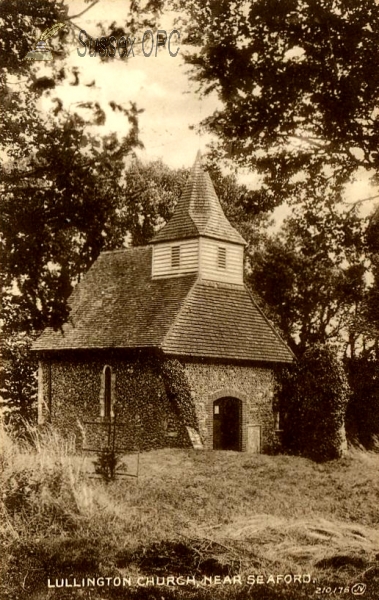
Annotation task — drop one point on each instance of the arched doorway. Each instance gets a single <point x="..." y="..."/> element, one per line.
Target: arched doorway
<point x="227" y="414"/>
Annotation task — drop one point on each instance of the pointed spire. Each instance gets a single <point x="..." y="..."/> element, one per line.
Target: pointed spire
<point x="198" y="212"/>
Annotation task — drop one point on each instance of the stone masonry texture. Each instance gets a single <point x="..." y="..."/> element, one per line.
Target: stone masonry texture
<point x="145" y="417"/>
<point x="254" y="386"/>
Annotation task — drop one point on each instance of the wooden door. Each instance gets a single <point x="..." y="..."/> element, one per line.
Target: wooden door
<point x="253" y="439"/>
<point x="227" y="424"/>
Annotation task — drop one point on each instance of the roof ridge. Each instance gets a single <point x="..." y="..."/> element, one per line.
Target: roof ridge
<point x="220" y="284"/>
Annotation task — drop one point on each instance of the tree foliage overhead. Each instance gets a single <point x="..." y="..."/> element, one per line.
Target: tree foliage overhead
<point x="57" y="216"/>
<point x="311" y="275"/>
<point x="299" y="98"/>
<point x="362" y="417"/>
<point x="61" y="178"/>
<point x="297" y="79"/>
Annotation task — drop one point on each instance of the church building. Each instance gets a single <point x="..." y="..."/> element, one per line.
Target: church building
<point x="165" y="343"/>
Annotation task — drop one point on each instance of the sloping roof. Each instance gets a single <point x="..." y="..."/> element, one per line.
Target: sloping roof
<point x="118" y="305"/>
<point x="222" y="321"/>
<point x="198" y="212"/>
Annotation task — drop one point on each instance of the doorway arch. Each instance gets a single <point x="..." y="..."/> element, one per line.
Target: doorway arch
<point x="227" y="423"/>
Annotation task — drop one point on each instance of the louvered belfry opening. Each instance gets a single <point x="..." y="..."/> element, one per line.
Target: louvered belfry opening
<point x="221" y="257"/>
<point x="175" y="256"/>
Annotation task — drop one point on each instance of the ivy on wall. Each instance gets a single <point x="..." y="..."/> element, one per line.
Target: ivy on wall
<point x="178" y="390"/>
<point x="315" y="395"/>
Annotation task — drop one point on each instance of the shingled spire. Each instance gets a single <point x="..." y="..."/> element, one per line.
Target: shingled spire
<point x="198" y="212"/>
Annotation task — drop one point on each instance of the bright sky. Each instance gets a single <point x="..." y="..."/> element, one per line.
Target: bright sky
<point x="158" y="84"/>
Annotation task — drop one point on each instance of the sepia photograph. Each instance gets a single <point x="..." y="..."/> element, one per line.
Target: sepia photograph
<point x="189" y="350"/>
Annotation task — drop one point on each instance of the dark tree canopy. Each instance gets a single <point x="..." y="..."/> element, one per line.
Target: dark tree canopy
<point x="311" y="275"/>
<point x="299" y="94"/>
<point x="60" y="177"/>
<point x="362" y="416"/>
<point x="298" y="81"/>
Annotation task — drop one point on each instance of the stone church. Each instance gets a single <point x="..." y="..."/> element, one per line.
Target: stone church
<point x="166" y="344"/>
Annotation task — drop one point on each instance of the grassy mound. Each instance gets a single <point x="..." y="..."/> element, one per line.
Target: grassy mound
<point x="212" y="516"/>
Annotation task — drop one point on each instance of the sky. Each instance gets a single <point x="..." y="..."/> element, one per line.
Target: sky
<point x="161" y="86"/>
<point x="158" y="84"/>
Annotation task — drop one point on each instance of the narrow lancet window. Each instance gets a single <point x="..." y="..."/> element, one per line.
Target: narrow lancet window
<point x="107" y="392"/>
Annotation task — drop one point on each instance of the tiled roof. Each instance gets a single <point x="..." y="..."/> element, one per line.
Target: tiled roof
<point x="222" y="321"/>
<point x="198" y="212"/>
<point x="118" y="305"/>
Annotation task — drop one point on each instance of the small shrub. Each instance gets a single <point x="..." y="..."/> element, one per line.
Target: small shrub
<point x="106" y="464"/>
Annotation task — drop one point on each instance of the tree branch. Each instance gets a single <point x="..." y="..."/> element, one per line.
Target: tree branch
<point x="354" y="204"/>
<point x="83" y="11"/>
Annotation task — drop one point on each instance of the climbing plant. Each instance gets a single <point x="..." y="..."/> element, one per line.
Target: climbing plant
<point x="178" y="389"/>
<point x="314" y="397"/>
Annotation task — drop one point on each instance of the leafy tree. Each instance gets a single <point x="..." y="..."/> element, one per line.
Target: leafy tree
<point x="362" y="416"/>
<point x="18" y="394"/>
<point x="314" y="400"/>
<point x="297" y="81"/>
<point x="372" y="305"/>
<point x="311" y="275"/>
<point x="55" y="223"/>
<point x="151" y="192"/>
<point x="60" y="178"/>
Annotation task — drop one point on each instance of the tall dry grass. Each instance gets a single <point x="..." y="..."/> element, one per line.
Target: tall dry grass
<point x="44" y="489"/>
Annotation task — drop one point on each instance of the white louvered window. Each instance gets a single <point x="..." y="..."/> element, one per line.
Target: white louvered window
<point x="221" y="257"/>
<point x="175" y="256"/>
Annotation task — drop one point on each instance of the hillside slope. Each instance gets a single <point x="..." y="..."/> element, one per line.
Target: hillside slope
<point x="228" y="525"/>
